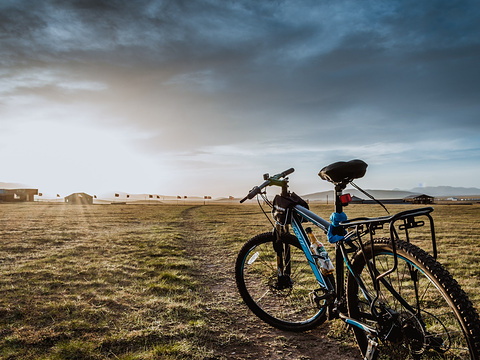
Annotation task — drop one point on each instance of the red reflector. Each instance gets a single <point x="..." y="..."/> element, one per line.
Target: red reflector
<point x="345" y="199"/>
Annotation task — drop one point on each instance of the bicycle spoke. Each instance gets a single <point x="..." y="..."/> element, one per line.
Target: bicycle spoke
<point x="424" y="324"/>
<point x="280" y="298"/>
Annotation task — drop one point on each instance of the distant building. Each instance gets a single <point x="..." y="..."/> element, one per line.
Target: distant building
<point x="419" y="199"/>
<point x="79" y="199"/>
<point x="17" y="195"/>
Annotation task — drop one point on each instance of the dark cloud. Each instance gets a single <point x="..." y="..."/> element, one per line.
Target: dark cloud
<point x="224" y="71"/>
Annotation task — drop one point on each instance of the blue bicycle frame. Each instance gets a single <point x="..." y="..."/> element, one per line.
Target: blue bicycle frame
<point x="302" y="237"/>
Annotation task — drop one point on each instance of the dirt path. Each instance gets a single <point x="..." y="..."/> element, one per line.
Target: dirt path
<point x="241" y="334"/>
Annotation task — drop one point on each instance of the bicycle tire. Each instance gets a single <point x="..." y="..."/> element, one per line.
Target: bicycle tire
<point x="446" y="326"/>
<point x="287" y="309"/>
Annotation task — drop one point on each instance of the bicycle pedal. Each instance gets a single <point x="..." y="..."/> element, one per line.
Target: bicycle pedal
<point x="315" y="298"/>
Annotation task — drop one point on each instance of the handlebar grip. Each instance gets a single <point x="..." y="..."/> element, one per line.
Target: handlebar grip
<point x="251" y="194"/>
<point x="287" y="172"/>
<point x="255" y="191"/>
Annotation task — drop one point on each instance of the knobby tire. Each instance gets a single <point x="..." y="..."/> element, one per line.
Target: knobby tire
<point x="448" y="326"/>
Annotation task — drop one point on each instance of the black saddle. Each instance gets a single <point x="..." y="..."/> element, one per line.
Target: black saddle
<point x="343" y="172"/>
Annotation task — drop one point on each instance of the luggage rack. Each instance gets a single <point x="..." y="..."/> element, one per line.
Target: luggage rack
<point x="409" y="218"/>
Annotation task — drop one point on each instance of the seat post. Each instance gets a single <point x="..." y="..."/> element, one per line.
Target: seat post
<point x="338" y="192"/>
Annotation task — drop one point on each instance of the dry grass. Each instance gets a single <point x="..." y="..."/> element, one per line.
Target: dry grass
<point x="132" y="282"/>
<point x="94" y="282"/>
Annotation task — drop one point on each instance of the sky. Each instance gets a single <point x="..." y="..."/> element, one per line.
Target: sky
<point x="202" y="97"/>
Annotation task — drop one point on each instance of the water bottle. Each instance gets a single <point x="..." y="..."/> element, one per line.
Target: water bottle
<point x="322" y="259"/>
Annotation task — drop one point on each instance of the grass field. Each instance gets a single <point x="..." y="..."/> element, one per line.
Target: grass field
<point x="155" y="281"/>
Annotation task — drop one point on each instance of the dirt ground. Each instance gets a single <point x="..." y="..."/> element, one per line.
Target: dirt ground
<point x="251" y="337"/>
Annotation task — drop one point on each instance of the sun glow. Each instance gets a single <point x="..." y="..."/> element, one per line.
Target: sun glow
<point x="64" y="157"/>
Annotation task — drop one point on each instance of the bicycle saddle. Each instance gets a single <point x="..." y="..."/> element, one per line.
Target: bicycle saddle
<point x="343" y="171"/>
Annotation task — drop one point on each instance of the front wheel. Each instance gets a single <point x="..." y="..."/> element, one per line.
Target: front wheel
<point x="288" y="302"/>
<point x="424" y="312"/>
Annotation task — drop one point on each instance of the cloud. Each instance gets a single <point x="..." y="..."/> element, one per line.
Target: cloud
<point x="206" y="81"/>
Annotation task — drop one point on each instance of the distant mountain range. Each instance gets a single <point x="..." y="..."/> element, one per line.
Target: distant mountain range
<point x="446" y="191"/>
<point x="436" y="191"/>
<point x="378" y="194"/>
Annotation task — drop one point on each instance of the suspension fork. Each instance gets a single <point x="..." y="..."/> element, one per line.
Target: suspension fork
<point x="282" y="249"/>
<point x="283" y="252"/>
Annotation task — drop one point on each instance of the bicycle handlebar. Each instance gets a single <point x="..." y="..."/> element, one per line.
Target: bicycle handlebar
<point x="257" y="189"/>
<point x="286" y="172"/>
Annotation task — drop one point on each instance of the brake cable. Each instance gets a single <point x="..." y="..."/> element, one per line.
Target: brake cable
<point x="264" y="197"/>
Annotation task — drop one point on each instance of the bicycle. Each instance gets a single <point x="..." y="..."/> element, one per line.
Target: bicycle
<point x="400" y="302"/>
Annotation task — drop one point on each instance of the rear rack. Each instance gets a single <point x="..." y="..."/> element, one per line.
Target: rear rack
<point x="410" y="220"/>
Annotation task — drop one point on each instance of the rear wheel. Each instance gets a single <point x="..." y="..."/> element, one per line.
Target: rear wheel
<point x="289" y="302"/>
<point x="435" y="321"/>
